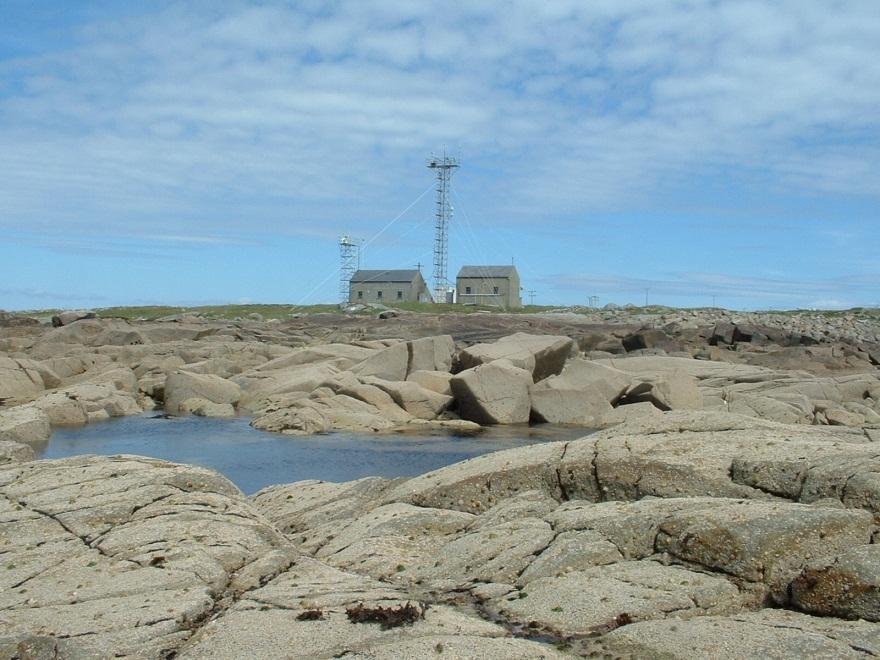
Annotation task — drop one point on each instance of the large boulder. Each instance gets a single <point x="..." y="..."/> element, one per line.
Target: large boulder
<point x="182" y="385"/>
<point x="25" y="425"/>
<point x="391" y="363"/>
<point x="649" y="338"/>
<point x="341" y="356"/>
<point x="431" y="354"/>
<point x="62" y="409"/>
<point x="322" y="413"/>
<point x="541" y="355"/>
<point x="436" y="381"/>
<point x="493" y="393"/>
<point x="260" y="384"/>
<point x="582" y="374"/>
<point x="676" y="390"/>
<point x="71" y="316"/>
<point x="82" y="333"/>
<point x="586" y="406"/>
<point x="373" y="393"/>
<point x="103" y="400"/>
<point x="413" y="398"/>
<point x="122" y="378"/>
<point x="19" y="383"/>
<point x="66" y="367"/>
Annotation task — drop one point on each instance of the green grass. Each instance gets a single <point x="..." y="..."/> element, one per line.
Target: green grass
<point x="227" y="312"/>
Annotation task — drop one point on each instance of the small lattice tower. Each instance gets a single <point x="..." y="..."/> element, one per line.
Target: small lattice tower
<point x="444" y="165"/>
<point x="349" y="262"/>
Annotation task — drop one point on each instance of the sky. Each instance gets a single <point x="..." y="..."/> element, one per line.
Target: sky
<point x="687" y="152"/>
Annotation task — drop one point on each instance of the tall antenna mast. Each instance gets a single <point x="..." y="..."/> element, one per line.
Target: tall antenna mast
<point x="349" y="262"/>
<point x="444" y="166"/>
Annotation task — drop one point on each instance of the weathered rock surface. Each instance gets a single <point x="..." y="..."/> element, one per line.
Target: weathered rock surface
<point x="180" y="386"/>
<point x="541" y="355"/>
<point x="124" y="555"/>
<point x="62" y="409"/>
<point x="25" y="425"/>
<point x="493" y="393"/>
<point x="674" y="534"/>
<point x="774" y="634"/>
<point x="15" y="452"/>
<point x="599" y="599"/>
<point x="553" y="403"/>
<point x="583" y="374"/>
<point x="676" y="390"/>
<point x="846" y="586"/>
<point x="19" y="382"/>
<point x="414" y="399"/>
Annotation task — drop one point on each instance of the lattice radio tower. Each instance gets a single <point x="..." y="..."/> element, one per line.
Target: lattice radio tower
<point x="444" y="166"/>
<point x="349" y="262"/>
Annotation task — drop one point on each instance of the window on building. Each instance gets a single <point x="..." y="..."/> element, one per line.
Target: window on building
<point x="495" y="290"/>
<point x="400" y="295"/>
<point x="360" y="295"/>
<point x="467" y="289"/>
<point x="379" y="295"/>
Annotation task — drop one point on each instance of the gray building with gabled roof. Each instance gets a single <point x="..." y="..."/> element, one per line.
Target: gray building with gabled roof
<point x="388" y="287"/>
<point x="488" y="285"/>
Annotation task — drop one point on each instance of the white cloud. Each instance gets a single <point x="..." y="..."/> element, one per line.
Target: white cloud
<point x="311" y="117"/>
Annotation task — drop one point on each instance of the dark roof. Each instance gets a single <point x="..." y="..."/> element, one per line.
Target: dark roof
<point x="385" y="275"/>
<point x="487" y="271"/>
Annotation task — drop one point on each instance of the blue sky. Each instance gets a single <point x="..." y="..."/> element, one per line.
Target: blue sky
<point x="200" y="152"/>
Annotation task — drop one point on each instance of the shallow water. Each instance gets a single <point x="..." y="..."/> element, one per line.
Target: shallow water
<point x="253" y="459"/>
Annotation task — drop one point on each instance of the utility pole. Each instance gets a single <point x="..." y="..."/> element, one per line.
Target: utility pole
<point x="532" y="296"/>
<point x="646" y="296"/>
<point x="594" y="302"/>
<point x="444" y="166"/>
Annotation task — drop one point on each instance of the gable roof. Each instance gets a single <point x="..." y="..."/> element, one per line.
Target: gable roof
<point x="487" y="271"/>
<point x="365" y="276"/>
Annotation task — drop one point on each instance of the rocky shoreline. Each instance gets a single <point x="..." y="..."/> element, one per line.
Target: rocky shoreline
<point x="728" y="509"/>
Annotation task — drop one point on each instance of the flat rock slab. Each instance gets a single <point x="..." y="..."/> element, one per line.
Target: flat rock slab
<point x="772" y="634"/>
<point x="489" y="554"/>
<point x="126" y="555"/>
<point x="459" y="647"/>
<point x="304" y="612"/>
<point x="478" y="484"/>
<point x="599" y="599"/>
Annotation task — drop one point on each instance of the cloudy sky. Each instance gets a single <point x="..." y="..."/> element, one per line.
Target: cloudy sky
<point x="201" y="152"/>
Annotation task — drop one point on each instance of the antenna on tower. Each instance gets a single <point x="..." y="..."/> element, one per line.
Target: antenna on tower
<point x="349" y="263"/>
<point x="444" y="166"/>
